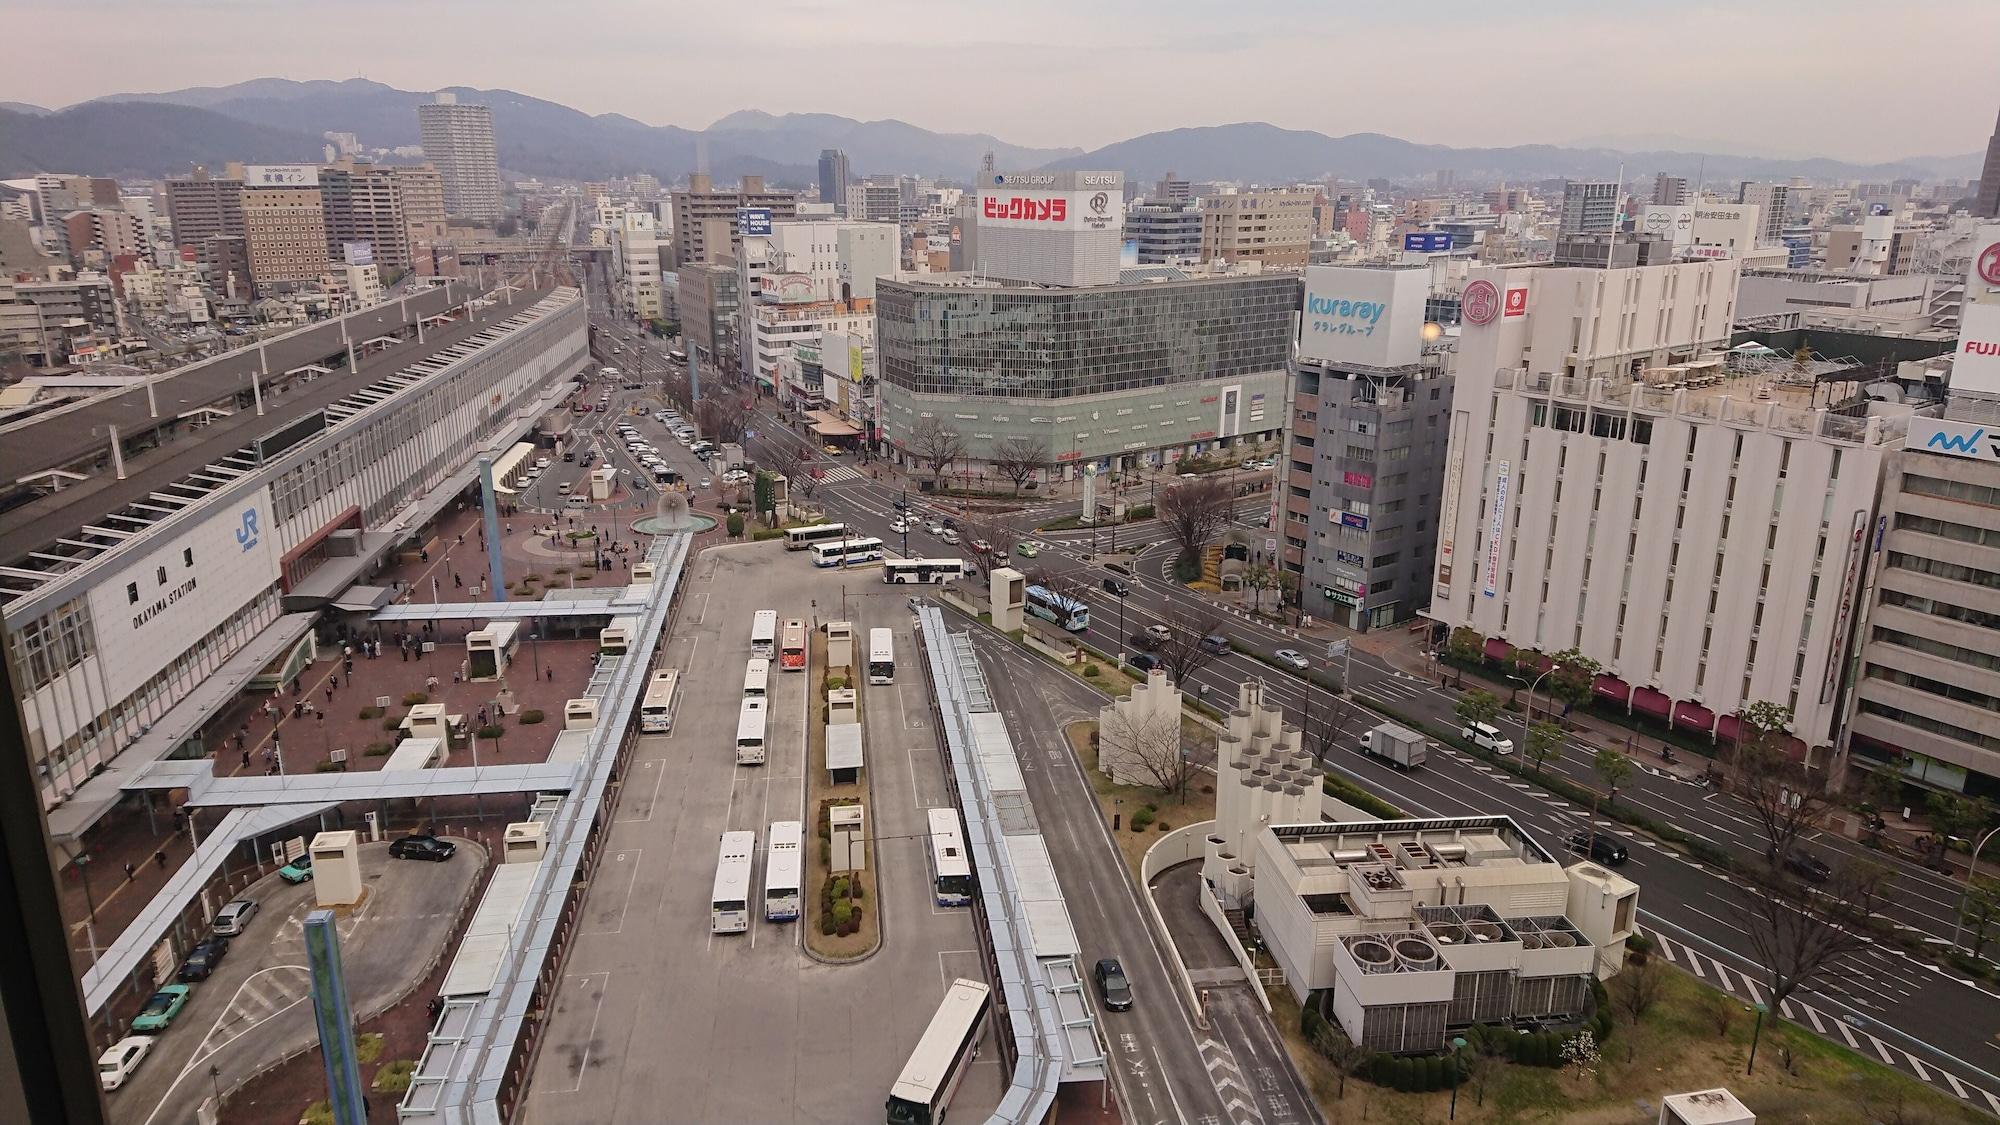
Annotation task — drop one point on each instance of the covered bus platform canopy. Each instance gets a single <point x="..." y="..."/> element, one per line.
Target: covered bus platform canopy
<point x="825" y="424"/>
<point x="505" y="611"/>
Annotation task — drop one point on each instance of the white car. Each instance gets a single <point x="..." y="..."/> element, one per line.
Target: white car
<point x="1292" y="657"/>
<point x="934" y="527"/>
<point x="120" y="1059"/>
<point x="899" y="525"/>
<point x="705" y="482"/>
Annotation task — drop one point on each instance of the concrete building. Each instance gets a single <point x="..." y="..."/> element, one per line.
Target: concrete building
<point x="1271" y="227"/>
<point x="1051" y="228"/>
<point x="1171" y="188"/>
<point x="850" y="383"/>
<point x="1589" y="207"/>
<point x="225" y="262"/>
<point x="834" y="178"/>
<point x="458" y="140"/>
<point x="1725" y="230"/>
<point x="1121" y="375"/>
<point x="709" y="300"/>
<point x="1670" y="191"/>
<point x="772" y="329"/>
<point x="1690" y="521"/>
<point x="814" y="270"/>
<point x="1986" y="204"/>
<point x="284" y="231"/>
<point x="105" y="233"/>
<point x="49" y="321"/>
<point x="1164" y="233"/>
<point x="1890" y="304"/>
<point x="878" y="199"/>
<point x="707" y="223"/>
<point x="1772" y="202"/>
<point x="1874" y="247"/>
<point x="200" y="206"/>
<point x="1139" y="736"/>
<point x="363" y="203"/>
<point x="636" y="247"/>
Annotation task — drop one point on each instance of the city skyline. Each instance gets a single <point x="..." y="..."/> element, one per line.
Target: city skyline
<point x="1787" y="93"/>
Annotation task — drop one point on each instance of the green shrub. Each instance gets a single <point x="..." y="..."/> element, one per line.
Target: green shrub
<point x="318" y="1113"/>
<point x="735" y="525"/>
<point x="837" y="887"/>
<point x="1140" y="819"/>
<point x="836" y="683"/>
<point x="763" y="533"/>
<point x="1092" y="671"/>
<point x="1165" y="827"/>
<point x="327" y="767"/>
<point x="491" y="730"/>
<point x="368" y="713"/>
<point x="1138" y="512"/>
<point x="412" y="698"/>
<point x="393" y="722"/>
<point x="367" y="1047"/>
<point x="394" y="1077"/>
<point x="826" y="925"/>
<point x="1403" y="1074"/>
<point x="377" y="750"/>
<point x="843" y="910"/>
<point x="530" y="716"/>
<point x="1152" y="806"/>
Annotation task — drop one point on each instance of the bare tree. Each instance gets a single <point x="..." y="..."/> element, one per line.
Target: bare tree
<point x="1787" y="800"/>
<point x="1146" y="746"/>
<point x="1329" y="727"/>
<point x="999" y="537"/>
<point x="1638" y="987"/>
<point x="934" y="446"/>
<point x="1182" y="652"/>
<point x="1193" y="511"/>
<point x="1812" y="934"/>
<point x="1018" y="459"/>
<point x="721" y="418"/>
<point x="784" y="457"/>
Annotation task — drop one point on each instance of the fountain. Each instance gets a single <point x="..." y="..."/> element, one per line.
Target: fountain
<point x="671" y="515"/>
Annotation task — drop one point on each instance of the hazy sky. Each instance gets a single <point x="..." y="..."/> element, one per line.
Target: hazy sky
<point x="1844" y="78"/>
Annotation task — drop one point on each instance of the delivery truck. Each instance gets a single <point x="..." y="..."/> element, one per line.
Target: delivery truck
<point x="1399" y="746"/>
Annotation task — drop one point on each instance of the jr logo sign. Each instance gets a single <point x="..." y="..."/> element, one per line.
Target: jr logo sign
<point x="246" y="535"/>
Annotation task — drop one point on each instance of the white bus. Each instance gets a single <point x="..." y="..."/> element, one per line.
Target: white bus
<point x="756" y="678"/>
<point x="799" y="538"/>
<point x="750" y="733"/>
<point x="792" y="646"/>
<point x="784" y="870"/>
<point x="943" y="1055"/>
<point x="931" y="571"/>
<point x="656" y="712"/>
<point x="881" y="657"/>
<point x="729" y="906"/>
<point x="616" y="638"/>
<point x="951" y="868"/>
<point x="846" y="552"/>
<point x="764" y="633"/>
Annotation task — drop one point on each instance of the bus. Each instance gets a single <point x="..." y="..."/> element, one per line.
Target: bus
<point x="799" y="538"/>
<point x="616" y="638"/>
<point x="656" y="712"/>
<point x="729" y="906"/>
<point x="792" y="647"/>
<point x="1065" y="611"/>
<point x="756" y="678"/>
<point x="943" y="1055"/>
<point x="846" y="552"/>
<point x="951" y="868"/>
<point x="764" y="634"/>
<point x="783" y="871"/>
<point x="881" y="657"/>
<point x="750" y="733"/>
<point x="678" y="356"/>
<point x="903" y="571"/>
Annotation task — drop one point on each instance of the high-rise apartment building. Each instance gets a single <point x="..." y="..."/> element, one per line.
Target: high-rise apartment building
<point x="709" y="223"/>
<point x="1987" y="203"/>
<point x="458" y="139"/>
<point x="878" y="199"/>
<point x="200" y="207"/>
<point x="1164" y="233"/>
<point x="285" y="232"/>
<point x="363" y="203"/>
<point x="106" y="231"/>
<point x="1272" y="227"/>
<point x="709" y="300"/>
<point x="1589" y="207"/>
<point x="1171" y="188"/>
<point x="420" y="187"/>
<point x="1773" y="198"/>
<point x="833" y="178"/>
<point x="1669" y="191"/>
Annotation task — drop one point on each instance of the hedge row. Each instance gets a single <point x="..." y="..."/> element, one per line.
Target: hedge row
<point x="1345" y="790"/>
<point x="1422" y="1073"/>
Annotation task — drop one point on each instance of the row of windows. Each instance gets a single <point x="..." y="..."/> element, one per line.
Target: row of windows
<point x="1938" y="688"/>
<point x="1946" y="529"/>
<point x="1926" y="723"/>
<point x="1941" y="609"/>
<point x="1976" y="658"/>
<point x="1984" y="495"/>
<point x="1950" y="572"/>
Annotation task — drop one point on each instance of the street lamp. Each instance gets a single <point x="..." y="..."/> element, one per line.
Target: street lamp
<point x="1971" y="878"/>
<point x="1525" y="723"/>
<point x="1457" y="1045"/>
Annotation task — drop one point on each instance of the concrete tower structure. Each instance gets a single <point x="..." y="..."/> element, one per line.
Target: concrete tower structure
<point x="1263" y="777"/>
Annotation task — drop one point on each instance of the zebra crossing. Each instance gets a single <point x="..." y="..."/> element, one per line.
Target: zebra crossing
<point x="1400" y="687"/>
<point x="836" y="472"/>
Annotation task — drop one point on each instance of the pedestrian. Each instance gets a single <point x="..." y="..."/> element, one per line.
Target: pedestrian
<point x="455" y="583"/>
<point x="160" y="859"/>
<point x="405" y="649"/>
<point x="552" y="675"/>
<point x="347" y="651"/>
<point x="128" y="872"/>
<point x="246" y="759"/>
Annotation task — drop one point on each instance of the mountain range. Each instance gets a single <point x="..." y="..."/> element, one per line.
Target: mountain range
<point x="281" y="120"/>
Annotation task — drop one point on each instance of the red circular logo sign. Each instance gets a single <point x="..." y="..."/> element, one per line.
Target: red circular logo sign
<point x="1481" y="302"/>
<point x="1989" y="264"/>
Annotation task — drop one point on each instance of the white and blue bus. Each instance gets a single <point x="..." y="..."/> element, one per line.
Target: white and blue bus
<point x="750" y="732"/>
<point x="756" y="678"/>
<point x="799" y="538"/>
<point x="881" y="657"/>
<point x="729" y="906"/>
<point x="764" y="634"/>
<point x="1065" y="611"/>
<point x="923" y="1091"/>
<point x="951" y="868"/>
<point x="922" y="571"/>
<point x="783" y="870"/>
<point x="846" y="552"/>
<point x="656" y="712"/>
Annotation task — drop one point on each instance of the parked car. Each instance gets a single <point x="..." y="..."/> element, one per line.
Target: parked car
<point x="1292" y="658"/>
<point x="1598" y="846"/>
<point x="120" y="1059"/>
<point x="1118" y="586"/>
<point x="234" y="916"/>
<point x="299" y="870"/>
<point x="423" y="847"/>
<point x="203" y="958"/>
<point x="160" y="1011"/>
<point x="1112" y="987"/>
<point x="705" y="482"/>
<point x="1808" y="866"/>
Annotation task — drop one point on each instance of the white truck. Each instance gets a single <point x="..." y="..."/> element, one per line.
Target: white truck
<point x="1399" y="746"/>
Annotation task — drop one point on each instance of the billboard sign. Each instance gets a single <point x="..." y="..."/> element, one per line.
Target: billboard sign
<point x="787" y="288"/>
<point x="1480" y="303"/>
<point x="1496" y="529"/>
<point x="1987" y="264"/>
<point x="1099" y="210"/>
<point x="1349" y="519"/>
<point x="281" y="175"/>
<point x="1358" y="480"/>
<point x="1976" y="366"/>
<point x="1954" y="439"/>
<point x="1857" y="540"/>
<point x="1427" y="241"/>
<point x="358" y="253"/>
<point x="1358" y="315"/>
<point x="1516" y="302"/>
<point x="753" y="221"/>
<point x="1454" y="477"/>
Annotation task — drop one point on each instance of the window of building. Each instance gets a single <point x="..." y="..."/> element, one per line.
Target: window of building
<point x="132" y="593"/>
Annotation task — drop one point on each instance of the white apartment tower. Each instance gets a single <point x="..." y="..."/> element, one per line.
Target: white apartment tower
<point x="459" y="140"/>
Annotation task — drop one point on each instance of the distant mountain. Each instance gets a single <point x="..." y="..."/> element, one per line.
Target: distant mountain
<point x="1261" y="153"/>
<point x="139" y="140"/>
<point x="24" y="107"/>
<point x="874" y="146"/>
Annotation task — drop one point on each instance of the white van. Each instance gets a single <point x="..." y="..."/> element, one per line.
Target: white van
<point x="1487" y="738"/>
<point x="578" y="500"/>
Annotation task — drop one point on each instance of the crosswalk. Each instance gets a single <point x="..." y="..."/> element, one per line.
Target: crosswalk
<point x="835" y="473"/>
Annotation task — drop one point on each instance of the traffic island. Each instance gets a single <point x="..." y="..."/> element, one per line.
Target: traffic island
<point x="1138" y="814"/>
<point x="839" y="913"/>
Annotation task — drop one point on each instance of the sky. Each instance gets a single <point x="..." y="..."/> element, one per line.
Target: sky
<point x="1843" y="78"/>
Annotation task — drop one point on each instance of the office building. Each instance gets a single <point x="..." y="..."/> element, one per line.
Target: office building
<point x="1986" y="204"/>
<point x="420" y="187"/>
<point x="1669" y="191"/>
<point x="806" y="277"/>
<point x="833" y="178"/>
<point x="200" y="206"/>
<point x="363" y="204"/>
<point x="1773" y="200"/>
<point x="1363" y="478"/>
<point x="1118" y="375"/>
<point x="1589" y="207"/>
<point x="1273" y="228"/>
<point x="106" y="233"/>
<point x="1875" y="247"/>
<point x="635" y="261"/>
<point x="1164" y="233"/>
<point x="710" y="298"/>
<point x="709" y="223"/>
<point x="284" y="229"/>
<point x="1051" y="228"/>
<point x="225" y="263"/>
<point x="458" y="140"/>
<point x="878" y="199"/>
<point x="1693" y="522"/>
<point x="1725" y="230"/>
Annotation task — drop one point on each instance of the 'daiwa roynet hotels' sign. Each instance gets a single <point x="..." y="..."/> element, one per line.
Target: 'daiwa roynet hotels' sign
<point x="1373" y="317"/>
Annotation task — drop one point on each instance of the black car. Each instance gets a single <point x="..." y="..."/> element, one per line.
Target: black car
<point x="1143" y="661"/>
<point x="1146" y="642"/>
<point x="1598" y="846"/>
<point x="423" y="847"/>
<point x="1808" y="866"/>
<point x="901" y="506"/>
<point x="1117" y="586"/>
<point x="203" y="958"/>
<point x="1112" y="987"/>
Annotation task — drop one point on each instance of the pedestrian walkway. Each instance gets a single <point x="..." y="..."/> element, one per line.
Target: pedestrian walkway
<point x="835" y="473"/>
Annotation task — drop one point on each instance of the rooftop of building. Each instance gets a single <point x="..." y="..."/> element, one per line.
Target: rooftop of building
<point x="1369" y="846"/>
<point x="1130" y="277"/>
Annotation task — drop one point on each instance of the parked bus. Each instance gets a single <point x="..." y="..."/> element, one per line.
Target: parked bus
<point x="783" y="871"/>
<point x="881" y="657"/>
<point x="488" y="651"/>
<point x="903" y="571"/>
<point x="799" y="538"/>
<point x="846" y="552"/>
<point x="616" y="638"/>
<point x="750" y="733"/>
<point x="756" y="678"/>
<point x="943" y="1055"/>
<point x="764" y="634"/>
<point x="656" y="712"/>
<point x="729" y="906"/>
<point x="792" y="648"/>
<point x="951" y="868"/>
<point x="1064" y="611"/>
